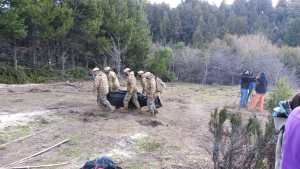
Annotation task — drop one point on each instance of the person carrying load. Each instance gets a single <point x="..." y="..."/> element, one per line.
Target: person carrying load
<point x="131" y="91"/>
<point x="150" y="91"/>
<point x="113" y="81"/>
<point x="101" y="86"/>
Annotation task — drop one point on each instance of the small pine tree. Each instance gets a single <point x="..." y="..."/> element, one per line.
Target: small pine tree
<point x="281" y="92"/>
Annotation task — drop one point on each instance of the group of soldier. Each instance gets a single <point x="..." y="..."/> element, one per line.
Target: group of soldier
<point x="106" y="81"/>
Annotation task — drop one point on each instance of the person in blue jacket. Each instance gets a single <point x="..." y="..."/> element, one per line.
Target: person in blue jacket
<point x="245" y="80"/>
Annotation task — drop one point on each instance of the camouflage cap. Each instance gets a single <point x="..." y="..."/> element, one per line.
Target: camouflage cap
<point x="126" y="70"/>
<point x="107" y="68"/>
<point x="140" y="72"/>
<point x="95" y="69"/>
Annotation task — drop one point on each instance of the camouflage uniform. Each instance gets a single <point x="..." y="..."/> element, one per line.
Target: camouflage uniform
<point x="131" y="92"/>
<point x="151" y="92"/>
<point x="143" y="83"/>
<point x="113" y="81"/>
<point x="101" y="85"/>
<point x="160" y="86"/>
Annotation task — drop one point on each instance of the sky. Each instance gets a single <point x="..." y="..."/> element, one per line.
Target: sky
<point x="174" y="3"/>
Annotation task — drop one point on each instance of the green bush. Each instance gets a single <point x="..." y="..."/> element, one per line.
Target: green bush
<point x="78" y="73"/>
<point x="10" y="75"/>
<point x="158" y="63"/>
<point x="43" y="74"/>
<point x="282" y="91"/>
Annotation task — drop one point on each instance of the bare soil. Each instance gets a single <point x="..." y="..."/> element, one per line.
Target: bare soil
<point x="177" y="138"/>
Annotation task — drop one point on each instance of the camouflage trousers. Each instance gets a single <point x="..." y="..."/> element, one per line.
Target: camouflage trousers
<point x="134" y="97"/>
<point x="151" y="104"/>
<point x="102" y="101"/>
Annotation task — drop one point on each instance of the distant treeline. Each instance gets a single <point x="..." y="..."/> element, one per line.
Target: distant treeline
<point x="196" y="23"/>
<point x="69" y="33"/>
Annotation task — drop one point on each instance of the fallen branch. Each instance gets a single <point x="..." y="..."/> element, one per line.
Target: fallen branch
<point x="40" y="166"/>
<point x="37" y="154"/>
<point x="21" y="138"/>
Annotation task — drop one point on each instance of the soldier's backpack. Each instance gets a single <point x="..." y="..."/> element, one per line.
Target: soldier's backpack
<point x="160" y="85"/>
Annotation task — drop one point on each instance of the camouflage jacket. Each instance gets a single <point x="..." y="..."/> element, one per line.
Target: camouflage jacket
<point x="131" y="83"/>
<point x="113" y="81"/>
<point x="101" y="84"/>
<point x="150" y="85"/>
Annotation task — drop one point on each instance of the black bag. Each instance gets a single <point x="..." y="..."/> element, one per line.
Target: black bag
<point x="103" y="162"/>
<point x="116" y="99"/>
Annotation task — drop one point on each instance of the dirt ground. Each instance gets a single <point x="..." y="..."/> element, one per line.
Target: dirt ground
<point x="177" y="138"/>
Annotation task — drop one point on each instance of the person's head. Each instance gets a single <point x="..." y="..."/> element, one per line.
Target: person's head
<point x="246" y="73"/>
<point x="126" y="71"/>
<point x="262" y="76"/>
<point x="95" y="70"/>
<point x="295" y="102"/>
<point x="148" y="75"/>
<point x="107" y="69"/>
<point x="140" y="73"/>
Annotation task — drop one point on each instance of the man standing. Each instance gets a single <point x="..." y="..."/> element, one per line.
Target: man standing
<point x="113" y="81"/>
<point x="142" y="80"/>
<point x="131" y="91"/>
<point x="101" y="85"/>
<point x="150" y="91"/>
<point x="245" y="79"/>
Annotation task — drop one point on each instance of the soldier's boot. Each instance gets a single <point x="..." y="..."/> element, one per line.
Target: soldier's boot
<point x="124" y="109"/>
<point x="139" y="110"/>
<point x="112" y="109"/>
<point x="155" y="112"/>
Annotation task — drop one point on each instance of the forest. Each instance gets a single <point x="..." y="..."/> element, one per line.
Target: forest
<point x="44" y="40"/>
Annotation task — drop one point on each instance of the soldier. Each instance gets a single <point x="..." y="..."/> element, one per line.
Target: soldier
<point x="113" y="81"/>
<point x="101" y="85"/>
<point x="94" y="71"/>
<point x="131" y="91"/>
<point x="142" y="80"/>
<point x="150" y="91"/>
<point x="160" y="86"/>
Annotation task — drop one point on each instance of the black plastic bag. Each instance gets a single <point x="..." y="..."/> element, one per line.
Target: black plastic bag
<point x="116" y="99"/>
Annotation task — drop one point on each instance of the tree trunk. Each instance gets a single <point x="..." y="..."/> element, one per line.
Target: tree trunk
<point x="15" y="56"/>
<point x="63" y="62"/>
<point x="73" y="60"/>
<point x="204" y="80"/>
<point x="34" y="55"/>
<point x="86" y="62"/>
<point x="49" y="55"/>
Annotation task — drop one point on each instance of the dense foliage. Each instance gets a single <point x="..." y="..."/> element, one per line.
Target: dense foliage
<point x="241" y="143"/>
<point x="65" y="34"/>
<point x="195" y="42"/>
<point x="197" y="22"/>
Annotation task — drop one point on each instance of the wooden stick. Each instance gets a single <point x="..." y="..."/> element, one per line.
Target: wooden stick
<point x="40" y="166"/>
<point x="22" y="138"/>
<point x="37" y="154"/>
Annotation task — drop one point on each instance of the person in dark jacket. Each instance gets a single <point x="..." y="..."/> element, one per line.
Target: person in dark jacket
<point x="244" y="88"/>
<point x="252" y="84"/>
<point x="260" y="92"/>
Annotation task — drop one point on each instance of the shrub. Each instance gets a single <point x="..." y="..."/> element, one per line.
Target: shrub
<point x="10" y="75"/>
<point x="77" y="73"/>
<point x="158" y="63"/>
<point x="43" y="74"/>
<point x="282" y="91"/>
<point x="240" y="145"/>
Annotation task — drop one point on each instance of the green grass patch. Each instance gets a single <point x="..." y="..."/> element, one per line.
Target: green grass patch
<point x="147" y="145"/>
<point x="12" y="133"/>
